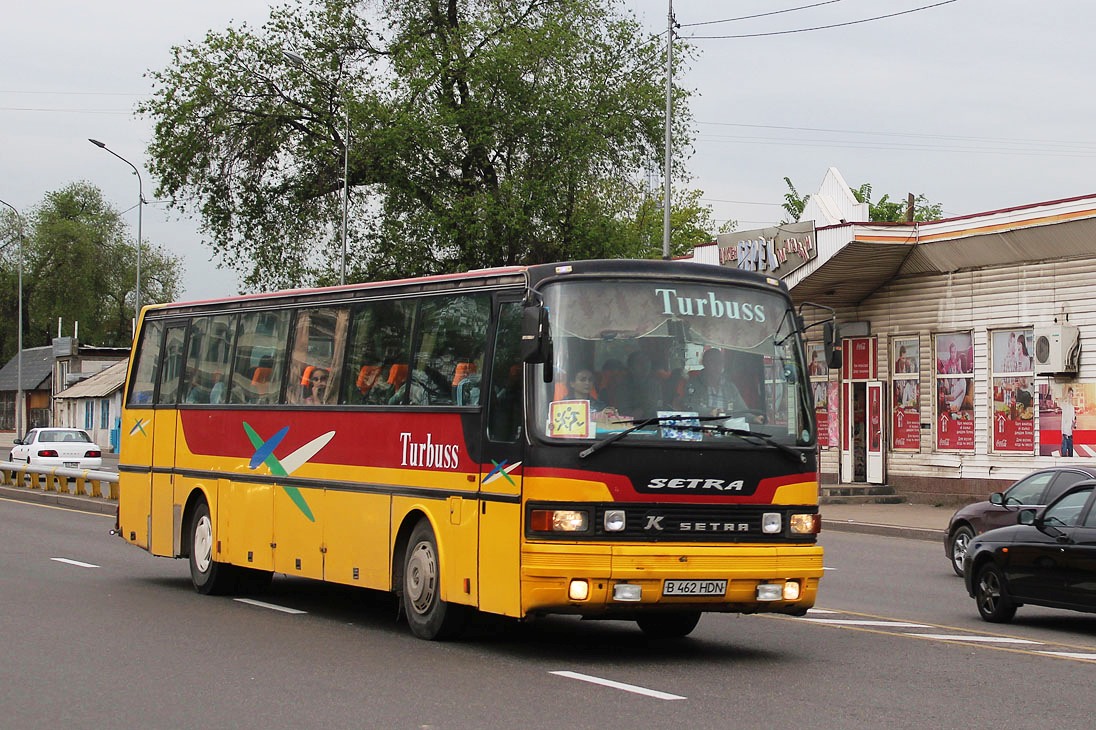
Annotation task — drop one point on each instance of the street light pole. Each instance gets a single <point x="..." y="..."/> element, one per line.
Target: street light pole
<point x="298" y="61"/>
<point x="140" y="207"/>
<point x="19" y="407"/>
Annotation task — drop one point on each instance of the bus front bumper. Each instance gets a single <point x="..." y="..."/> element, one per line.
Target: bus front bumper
<point x="610" y="580"/>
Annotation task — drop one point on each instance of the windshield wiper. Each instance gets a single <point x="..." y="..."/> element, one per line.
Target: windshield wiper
<point x="598" y="446"/>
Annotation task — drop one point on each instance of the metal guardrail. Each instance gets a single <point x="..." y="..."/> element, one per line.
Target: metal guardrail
<point x="86" y="482"/>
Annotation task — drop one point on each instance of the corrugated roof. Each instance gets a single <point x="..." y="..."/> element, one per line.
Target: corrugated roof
<point x="37" y="369"/>
<point x="100" y="385"/>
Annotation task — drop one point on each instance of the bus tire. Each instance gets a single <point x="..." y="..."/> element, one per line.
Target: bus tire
<point x="671" y="625"/>
<point x="428" y="616"/>
<point x="209" y="577"/>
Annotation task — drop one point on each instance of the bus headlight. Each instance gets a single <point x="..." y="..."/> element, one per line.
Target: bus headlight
<point x="805" y="524"/>
<point x="614" y="520"/>
<point x="771" y="523"/>
<point x="559" y="520"/>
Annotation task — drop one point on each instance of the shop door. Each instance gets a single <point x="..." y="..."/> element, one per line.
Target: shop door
<point x="876" y="437"/>
<point x="846" y="433"/>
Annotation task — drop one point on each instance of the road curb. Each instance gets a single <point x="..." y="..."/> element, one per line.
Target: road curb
<point x="68" y="501"/>
<point x="867" y="528"/>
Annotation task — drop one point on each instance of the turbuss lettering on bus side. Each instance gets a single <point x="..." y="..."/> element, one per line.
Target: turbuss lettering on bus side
<point x="629" y="440"/>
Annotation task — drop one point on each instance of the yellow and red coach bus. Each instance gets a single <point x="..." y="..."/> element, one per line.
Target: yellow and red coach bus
<point x="614" y="439"/>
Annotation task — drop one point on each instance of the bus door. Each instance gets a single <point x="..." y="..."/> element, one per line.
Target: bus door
<point x="500" y="521"/>
<point x="165" y="419"/>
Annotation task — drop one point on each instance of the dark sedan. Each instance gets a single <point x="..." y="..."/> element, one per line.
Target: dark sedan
<point x="1035" y="490"/>
<point x="1048" y="559"/>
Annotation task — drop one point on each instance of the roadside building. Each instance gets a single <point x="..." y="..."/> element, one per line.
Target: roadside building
<point x="963" y="339"/>
<point x="95" y="405"/>
<point x="37" y="372"/>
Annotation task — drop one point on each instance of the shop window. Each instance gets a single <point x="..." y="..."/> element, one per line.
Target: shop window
<point x="905" y="394"/>
<point x="1012" y="426"/>
<point x="954" y="391"/>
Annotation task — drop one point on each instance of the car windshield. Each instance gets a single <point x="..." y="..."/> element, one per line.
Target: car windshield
<point x="54" y="435"/>
<point x="696" y="362"/>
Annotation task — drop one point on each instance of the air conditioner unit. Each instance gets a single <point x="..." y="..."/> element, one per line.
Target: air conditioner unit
<point x="1057" y="349"/>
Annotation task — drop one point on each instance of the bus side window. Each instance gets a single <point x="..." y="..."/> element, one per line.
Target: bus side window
<point x="142" y="385"/>
<point x="172" y="365"/>
<point x="315" y="362"/>
<point x="380" y="345"/>
<point x="260" y="357"/>
<point x="504" y="396"/>
<point x="454" y="337"/>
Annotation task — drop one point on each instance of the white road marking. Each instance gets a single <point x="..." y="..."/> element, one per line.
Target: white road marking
<point x="619" y="685"/>
<point x="819" y="610"/>
<point x="864" y="622"/>
<point x="1071" y="655"/>
<point x="271" y="606"/>
<point x="982" y="639"/>
<point x="77" y="563"/>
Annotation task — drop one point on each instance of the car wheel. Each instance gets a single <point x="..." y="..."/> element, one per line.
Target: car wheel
<point x="674" y="625"/>
<point x="209" y="577"/>
<point x="428" y="616"/>
<point x="960" y="541"/>
<point x="991" y="595"/>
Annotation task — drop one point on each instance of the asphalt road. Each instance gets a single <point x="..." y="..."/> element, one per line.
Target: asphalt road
<point x="98" y="634"/>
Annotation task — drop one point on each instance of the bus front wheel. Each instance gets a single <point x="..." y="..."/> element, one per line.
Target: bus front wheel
<point x="428" y="616"/>
<point x="673" y="625"/>
<point x="209" y="577"/>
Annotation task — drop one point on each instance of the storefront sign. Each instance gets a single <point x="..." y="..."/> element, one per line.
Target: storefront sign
<point x="1013" y="414"/>
<point x="859" y="361"/>
<point x="777" y="250"/>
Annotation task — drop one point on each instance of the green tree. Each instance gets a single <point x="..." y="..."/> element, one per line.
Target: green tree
<point x="480" y="133"/>
<point x="80" y="266"/>
<point x="793" y="204"/>
<point x="895" y="211"/>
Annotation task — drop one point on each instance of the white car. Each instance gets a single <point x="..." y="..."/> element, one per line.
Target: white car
<point x="67" y="447"/>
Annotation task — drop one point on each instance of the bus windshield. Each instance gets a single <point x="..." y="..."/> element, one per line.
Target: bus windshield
<point x="699" y="362"/>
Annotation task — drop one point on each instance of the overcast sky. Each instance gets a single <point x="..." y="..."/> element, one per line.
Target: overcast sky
<point x="978" y="104"/>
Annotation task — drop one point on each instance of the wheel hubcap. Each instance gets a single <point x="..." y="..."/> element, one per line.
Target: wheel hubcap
<point x="203" y="544"/>
<point x="959" y="550"/>
<point x="422" y="577"/>
<point x="990" y="590"/>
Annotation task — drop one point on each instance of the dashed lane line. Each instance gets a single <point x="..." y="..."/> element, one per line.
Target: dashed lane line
<point x="619" y="685"/>
<point x="271" y="606"/>
<point x="77" y="563"/>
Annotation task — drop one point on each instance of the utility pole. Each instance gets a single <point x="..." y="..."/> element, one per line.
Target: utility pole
<point x="667" y="163"/>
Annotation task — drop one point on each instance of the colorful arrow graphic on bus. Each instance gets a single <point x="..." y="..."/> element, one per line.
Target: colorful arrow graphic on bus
<point x="501" y="470"/>
<point x="264" y="454"/>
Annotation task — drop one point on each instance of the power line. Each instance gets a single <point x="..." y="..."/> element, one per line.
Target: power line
<point x="759" y="15"/>
<point x="819" y="27"/>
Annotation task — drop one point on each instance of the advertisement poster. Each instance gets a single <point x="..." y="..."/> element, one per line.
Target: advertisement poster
<point x="1012" y="351"/>
<point x="954" y="354"/>
<point x="816" y="361"/>
<point x="1014" y="414"/>
<point x="1067" y="420"/>
<point x="859" y="358"/>
<point x="822" y="412"/>
<point x="834" y="397"/>
<point x="907" y="415"/>
<point x="906" y="356"/>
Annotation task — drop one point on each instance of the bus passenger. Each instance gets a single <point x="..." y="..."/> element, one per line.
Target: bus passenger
<point x="708" y="392"/>
<point x="640" y="392"/>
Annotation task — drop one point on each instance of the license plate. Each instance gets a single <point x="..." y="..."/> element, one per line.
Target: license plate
<point x="72" y="464"/>
<point x="694" y="588"/>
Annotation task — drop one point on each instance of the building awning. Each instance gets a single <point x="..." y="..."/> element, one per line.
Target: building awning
<point x="857" y="259"/>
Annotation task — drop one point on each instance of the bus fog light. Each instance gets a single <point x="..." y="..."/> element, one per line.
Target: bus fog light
<point x="770" y="591"/>
<point x="614" y="520"/>
<point x="579" y="590"/>
<point x="771" y="523"/>
<point x="791" y="590"/>
<point x="627" y="592"/>
<point x="805" y="524"/>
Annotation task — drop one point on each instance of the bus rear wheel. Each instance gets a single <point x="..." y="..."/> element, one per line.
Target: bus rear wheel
<point x="672" y="625"/>
<point x="209" y="577"/>
<point x="428" y="616"/>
